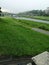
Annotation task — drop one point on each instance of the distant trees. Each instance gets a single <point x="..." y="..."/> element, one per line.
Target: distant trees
<point x="35" y="13"/>
<point x="47" y="11"/>
<point x="38" y="12"/>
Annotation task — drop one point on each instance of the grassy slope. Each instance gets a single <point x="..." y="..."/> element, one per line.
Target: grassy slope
<point x="31" y="24"/>
<point x="18" y="40"/>
<point x="39" y="17"/>
<point x="42" y="17"/>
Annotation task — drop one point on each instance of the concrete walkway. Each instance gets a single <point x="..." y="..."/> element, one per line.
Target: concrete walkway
<point x="41" y="59"/>
<point x="41" y="31"/>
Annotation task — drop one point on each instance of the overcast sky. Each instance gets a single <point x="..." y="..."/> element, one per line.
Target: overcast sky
<point x="17" y="6"/>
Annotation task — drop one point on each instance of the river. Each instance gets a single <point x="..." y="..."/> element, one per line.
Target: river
<point x="35" y="20"/>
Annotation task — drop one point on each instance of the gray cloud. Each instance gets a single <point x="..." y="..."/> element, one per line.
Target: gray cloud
<point x="23" y="5"/>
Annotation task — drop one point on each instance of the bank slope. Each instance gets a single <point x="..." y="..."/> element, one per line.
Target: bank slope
<point x="15" y="39"/>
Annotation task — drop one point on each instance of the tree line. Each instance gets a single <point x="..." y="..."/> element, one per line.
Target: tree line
<point x="39" y="12"/>
<point x="35" y="13"/>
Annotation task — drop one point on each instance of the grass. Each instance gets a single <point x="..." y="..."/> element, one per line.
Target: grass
<point x="42" y="17"/>
<point x="17" y="39"/>
<point x="39" y="17"/>
<point x="32" y="24"/>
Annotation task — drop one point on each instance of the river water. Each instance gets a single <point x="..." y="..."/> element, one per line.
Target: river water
<point x="35" y="20"/>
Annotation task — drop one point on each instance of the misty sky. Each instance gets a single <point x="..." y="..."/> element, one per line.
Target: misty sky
<point x="17" y="6"/>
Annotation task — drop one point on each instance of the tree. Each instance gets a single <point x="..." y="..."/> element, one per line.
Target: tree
<point x="0" y="11"/>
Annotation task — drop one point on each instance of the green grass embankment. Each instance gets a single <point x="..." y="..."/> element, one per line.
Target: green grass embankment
<point x="17" y="39"/>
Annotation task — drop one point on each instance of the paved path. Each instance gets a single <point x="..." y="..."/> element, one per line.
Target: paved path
<point x="41" y="31"/>
<point x="35" y="20"/>
<point x="41" y="59"/>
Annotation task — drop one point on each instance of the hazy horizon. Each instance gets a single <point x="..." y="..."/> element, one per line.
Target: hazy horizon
<point x="16" y="6"/>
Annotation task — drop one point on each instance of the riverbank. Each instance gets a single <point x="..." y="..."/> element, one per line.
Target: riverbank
<point x="33" y="23"/>
<point x="45" y="18"/>
<point x="17" y="38"/>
